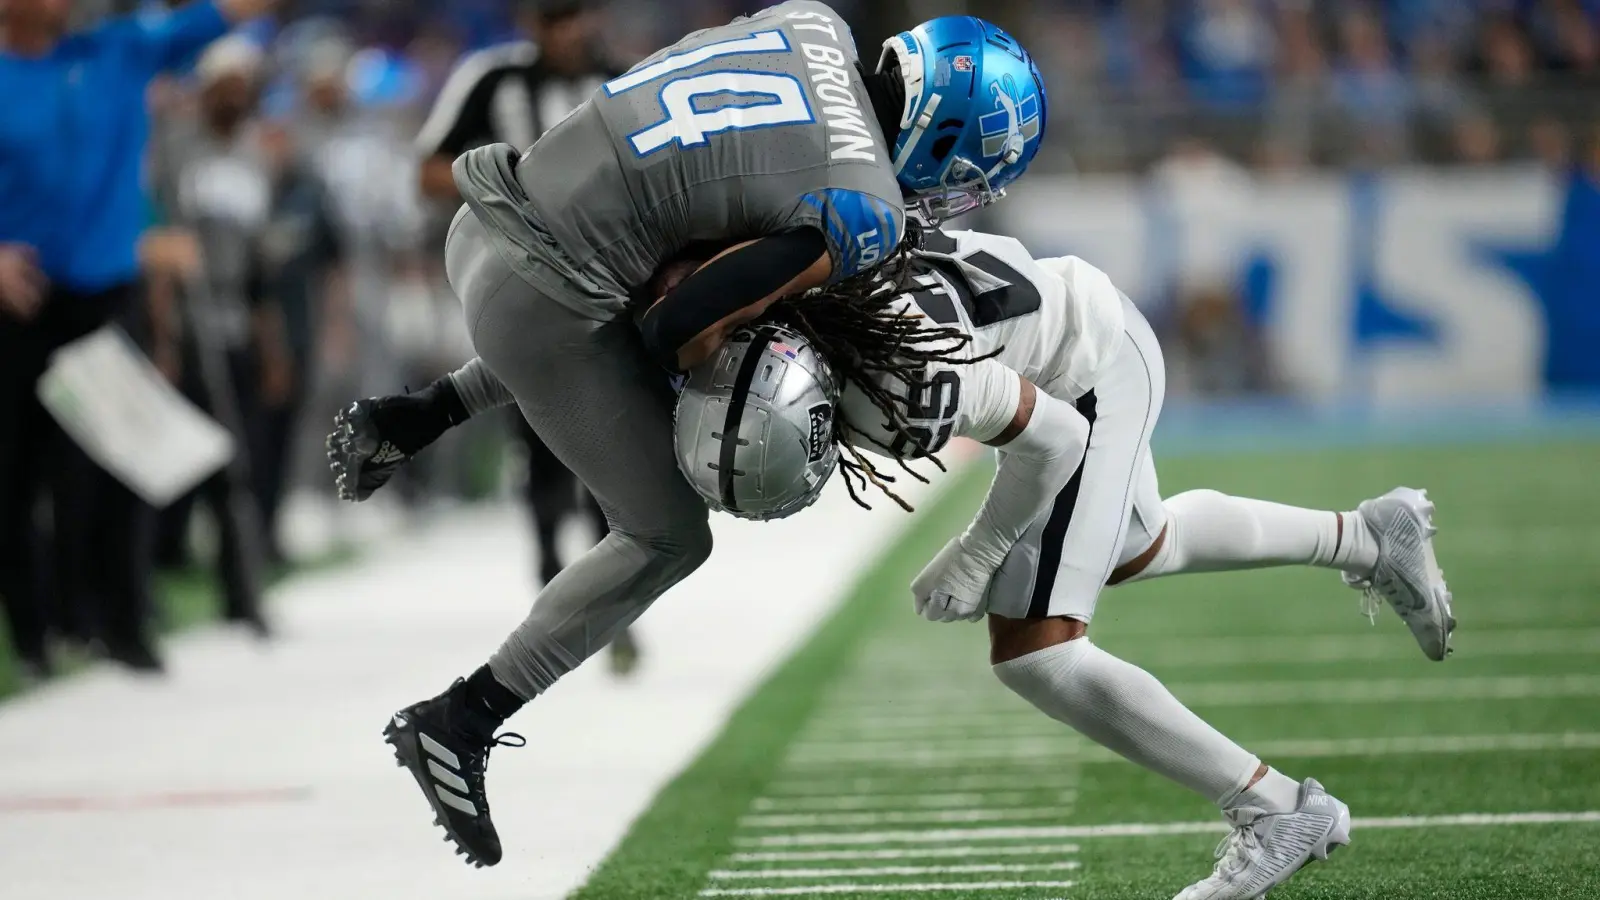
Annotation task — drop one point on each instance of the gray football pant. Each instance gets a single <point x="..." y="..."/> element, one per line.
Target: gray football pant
<point x="605" y="410"/>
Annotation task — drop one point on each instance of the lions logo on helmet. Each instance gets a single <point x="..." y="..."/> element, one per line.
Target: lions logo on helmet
<point x="754" y="425"/>
<point x="974" y="115"/>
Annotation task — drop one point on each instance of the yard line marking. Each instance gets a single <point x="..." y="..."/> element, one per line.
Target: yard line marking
<point x="1042" y="777"/>
<point x="1421" y="745"/>
<point x="878" y="888"/>
<point x="843" y="802"/>
<point x="1369" y="690"/>
<point x="908" y="817"/>
<point x="954" y="716"/>
<point x="901" y="853"/>
<point x="1384" y="690"/>
<point x="939" y="755"/>
<point x="1235" y="651"/>
<point x="969" y="869"/>
<point x="1140" y="829"/>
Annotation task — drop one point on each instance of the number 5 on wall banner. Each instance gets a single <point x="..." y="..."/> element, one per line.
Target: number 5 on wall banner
<point x="114" y="404"/>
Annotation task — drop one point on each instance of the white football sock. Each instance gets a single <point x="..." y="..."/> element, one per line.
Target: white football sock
<point x="1275" y="793"/>
<point x="1209" y="531"/>
<point x="1124" y="708"/>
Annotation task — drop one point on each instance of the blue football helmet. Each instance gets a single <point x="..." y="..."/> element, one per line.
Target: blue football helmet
<point x="974" y="114"/>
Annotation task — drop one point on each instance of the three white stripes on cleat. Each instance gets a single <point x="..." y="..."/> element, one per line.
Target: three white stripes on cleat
<point x="445" y="767"/>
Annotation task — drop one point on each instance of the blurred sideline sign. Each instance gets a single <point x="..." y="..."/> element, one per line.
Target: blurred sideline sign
<point x="110" y="400"/>
<point x="1398" y="285"/>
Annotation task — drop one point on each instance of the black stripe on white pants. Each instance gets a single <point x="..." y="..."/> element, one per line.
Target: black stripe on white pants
<point x="1063" y="560"/>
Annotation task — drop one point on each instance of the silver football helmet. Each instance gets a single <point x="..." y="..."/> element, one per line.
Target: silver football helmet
<point x="754" y="424"/>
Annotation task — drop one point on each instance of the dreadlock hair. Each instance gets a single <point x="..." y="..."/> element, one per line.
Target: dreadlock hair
<point x="864" y="332"/>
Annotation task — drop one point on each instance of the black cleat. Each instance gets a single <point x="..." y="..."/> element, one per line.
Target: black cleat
<point x="361" y="458"/>
<point x="446" y="746"/>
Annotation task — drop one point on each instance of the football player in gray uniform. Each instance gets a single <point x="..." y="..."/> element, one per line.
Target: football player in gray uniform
<point x="766" y="137"/>
<point x="1047" y="361"/>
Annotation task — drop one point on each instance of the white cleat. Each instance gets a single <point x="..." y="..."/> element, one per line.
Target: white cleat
<point x="1407" y="574"/>
<point x="1265" y="849"/>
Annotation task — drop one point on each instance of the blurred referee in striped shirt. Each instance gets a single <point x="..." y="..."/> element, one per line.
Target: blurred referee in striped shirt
<point x="512" y="93"/>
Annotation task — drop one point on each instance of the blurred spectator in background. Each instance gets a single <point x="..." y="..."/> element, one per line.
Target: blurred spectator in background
<point x="1227" y="47"/>
<point x="512" y="93"/>
<point x="73" y="129"/>
<point x="361" y="156"/>
<point x="1299" y="99"/>
<point x="1212" y="347"/>
<point x="214" y="179"/>
<point x="1370" y="90"/>
<point x="300" y="253"/>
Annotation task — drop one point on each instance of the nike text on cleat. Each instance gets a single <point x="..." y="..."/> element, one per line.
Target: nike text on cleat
<point x="1265" y="849"/>
<point x="1407" y="575"/>
<point x="447" y="749"/>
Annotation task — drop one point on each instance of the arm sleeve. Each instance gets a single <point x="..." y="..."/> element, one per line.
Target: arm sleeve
<point x="728" y="284"/>
<point x="479" y="389"/>
<point x="1034" y="467"/>
<point x="169" y="40"/>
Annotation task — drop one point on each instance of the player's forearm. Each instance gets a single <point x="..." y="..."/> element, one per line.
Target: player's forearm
<point x="683" y="328"/>
<point x="1034" y="467"/>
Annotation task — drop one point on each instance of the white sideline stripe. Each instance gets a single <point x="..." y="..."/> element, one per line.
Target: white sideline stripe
<point x="970" y="869"/>
<point x="842" y="802"/>
<point x="941" y="753"/>
<point x="1142" y="829"/>
<point x="902" y="817"/>
<point x="902" y="853"/>
<point x="878" y="888"/>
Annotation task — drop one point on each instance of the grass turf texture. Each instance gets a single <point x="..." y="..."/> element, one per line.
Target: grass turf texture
<point x="885" y="730"/>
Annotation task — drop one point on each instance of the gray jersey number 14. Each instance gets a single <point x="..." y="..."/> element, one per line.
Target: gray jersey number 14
<point x="765" y="99"/>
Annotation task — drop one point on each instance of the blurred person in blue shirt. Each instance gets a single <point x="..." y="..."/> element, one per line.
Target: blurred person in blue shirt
<point x="1227" y="48"/>
<point x="1371" y="91"/>
<point x="73" y="130"/>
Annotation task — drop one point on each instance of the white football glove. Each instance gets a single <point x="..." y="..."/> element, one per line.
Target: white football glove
<point x="953" y="587"/>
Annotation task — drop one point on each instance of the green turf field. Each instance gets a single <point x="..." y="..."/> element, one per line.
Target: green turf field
<point x="884" y="759"/>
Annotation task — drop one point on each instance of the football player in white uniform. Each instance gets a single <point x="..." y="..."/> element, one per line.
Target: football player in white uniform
<point x="1049" y="362"/>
